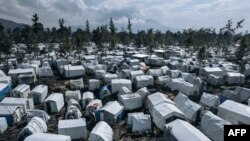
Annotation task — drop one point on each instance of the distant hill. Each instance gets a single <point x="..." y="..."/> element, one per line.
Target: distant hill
<point x="10" y="24"/>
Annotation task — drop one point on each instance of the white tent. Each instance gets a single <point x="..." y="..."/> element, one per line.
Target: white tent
<point x="54" y="103"/>
<point x="143" y="92"/>
<point x="21" y="91"/>
<point x="234" y="112"/>
<point x="183" y="131"/>
<point x="86" y="98"/>
<point x="155" y="72"/>
<point x="117" y="84"/>
<point x="47" y="137"/>
<point x="112" y="112"/>
<point x="160" y="81"/>
<point x="213" y="126"/>
<point x="3" y="125"/>
<point x="143" y="81"/>
<point x="243" y="92"/>
<point x="39" y="93"/>
<point x="129" y="120"/>
<point x="135" y="73"/>
<point x="76" y="84"/>
<point x="75" y="128"/>
<point x="100" y="74"/>
<point x="23" y="103"/>
<point x="210" y="100"/>
<point x="13" y="114"/>
<point x="165" y="112"/>
<point x="108" y="77"/>
<point x="45" y="72"/>
<point x="37" y="113"/>
<point x="188" y="107"/>
<point x="130" y="101"/>
<point x="73" y="94"/>
<point x="36" y="125"/>
<point x="101" y="132"/>
<point x="235" y="78"/>
<point x="141" y="123"/>
<point x="155" y="99"/>
<point x="94" y="84"/>
<point x="124" y="90"/>
<point x="214" y="80"/>
<point x="73" y="71"/>
<point x="93" y="106"/>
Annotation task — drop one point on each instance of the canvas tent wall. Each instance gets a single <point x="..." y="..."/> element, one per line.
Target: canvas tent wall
<point x="76" y="84"/>
<point x="112" y="112"/>
<point x="3" y="125"/>
<point x="23" y="103"/>
<point x="188" y="107"/>
<point x="94" y="84"/>
<point x="117" y="84"/>
<point x="54" y="103"/>
<point x="73" y="94"/>
<point x="12" y="114"/>
<point x="234" y="112"/>
<point x="70" y="71"/>
<point x="36" y="125"/>
<point x="39" y="93"/>
<point x="37" y="113"/>
<point x="164" y="113"/>
<point x="179" y="130"/>
<point x="155" y="99"/>
<point x="213" y="126"/>
<point x="45" y="72"/>
<point x="143" y="92"/>
<point x="4" y="90"/>
<point x="143" y="81"/>
<point x="86" y="98"/>
<point x="235" y="78"/>
<point x="21" y="91"/>
<point x="210" y="100"/>
<point x="101" y="132"/>
<point x="141" y="123"/>
<point x="75" y="128"/>
<point x="131" y="101"/>
<point x="47" y="137"/>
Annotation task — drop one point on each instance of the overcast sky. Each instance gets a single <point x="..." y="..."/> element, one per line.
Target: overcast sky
<point x="170" y="13"/>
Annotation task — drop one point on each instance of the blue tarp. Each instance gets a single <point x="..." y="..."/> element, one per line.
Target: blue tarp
<point x="5" y="91"/>
<point x="104" y="91"/>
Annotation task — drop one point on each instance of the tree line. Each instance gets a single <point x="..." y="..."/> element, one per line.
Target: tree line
<point x="106" y="37"/>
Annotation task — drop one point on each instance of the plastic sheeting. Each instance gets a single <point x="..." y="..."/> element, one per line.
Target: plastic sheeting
<point x="37" y="113"/>
<point x="210" y="100"/>
<point x="75" y="128"/>
<point x="188" y="107"/>
<point x="164" y="112"/>
<point x="213" y="126"/>
<point x="143" y="92"/>
<point x="45" y="72"/>
<point x="124" y="90"/>
<point x="76" y="84"/>
<point x="131" y="101"/>
<point x="101" y="132"/>
<point x="47" y="137"/>
<point x="3" y="125"/>
<point x="54" y="103"/>
<point x="21" y="91"/>
<point x="94" y="84"/>
<point x="73" y="94"/>
<point x="36" y="125"/>
<point x="183" y="131"/>
<point x="141" y="123"/>
<point x="39" y="93"/>
<point x="234" y="112"/>
<point x="117" y="84"/>
<point x="143" y="81"/>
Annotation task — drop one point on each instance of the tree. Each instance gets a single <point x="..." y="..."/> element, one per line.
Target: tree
<point x="201" y="55"/>
<point x="243" y="48"/>
<point x="5" y="42"/>
<point x="129" y="30"/>
<point x="37" y="29"/>
<point x="113" y="33"/>
<point x="151" y="41"/>
<point x="87" y="30"/>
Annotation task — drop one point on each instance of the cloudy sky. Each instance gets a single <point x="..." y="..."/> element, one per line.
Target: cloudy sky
<point x="170" y="13"/>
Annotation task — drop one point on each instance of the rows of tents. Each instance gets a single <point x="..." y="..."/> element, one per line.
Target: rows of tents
<point x="168" y="91"/>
